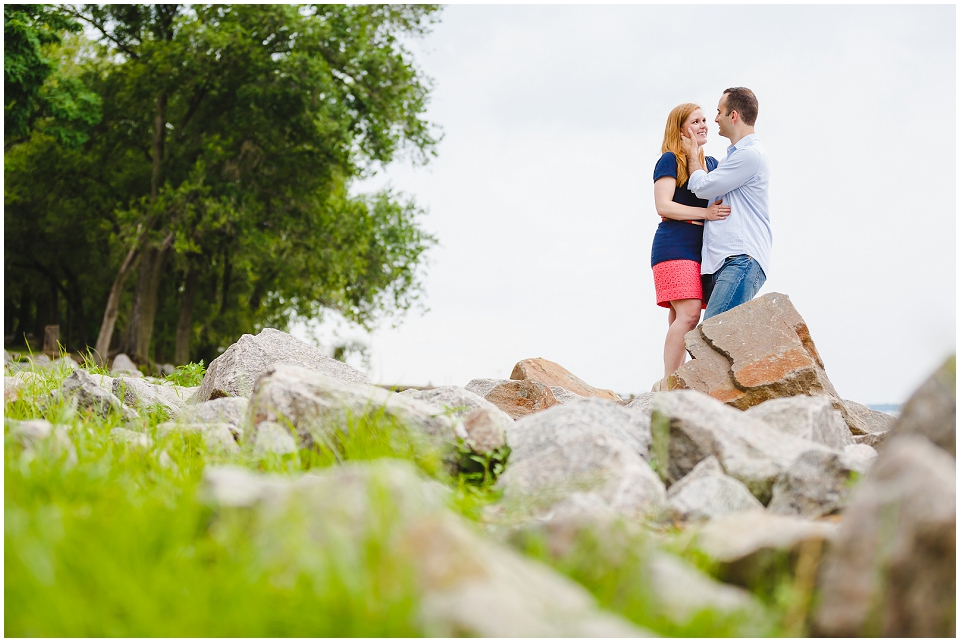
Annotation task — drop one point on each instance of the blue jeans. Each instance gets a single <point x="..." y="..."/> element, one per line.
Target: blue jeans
<point x="737" y="281"/>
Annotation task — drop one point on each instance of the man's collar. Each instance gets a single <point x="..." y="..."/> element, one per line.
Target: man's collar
<point x="740" y="143"/>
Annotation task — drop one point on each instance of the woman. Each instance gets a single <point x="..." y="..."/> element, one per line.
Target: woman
<point x="676" y="245"/>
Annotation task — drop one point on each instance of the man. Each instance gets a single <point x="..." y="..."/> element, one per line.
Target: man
<point x="736" y="251"/>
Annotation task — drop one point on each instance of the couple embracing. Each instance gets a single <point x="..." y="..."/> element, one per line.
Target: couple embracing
<point x="712" y="247"/>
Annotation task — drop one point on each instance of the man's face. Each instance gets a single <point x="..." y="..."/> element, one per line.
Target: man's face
<point x="723" y="118"/>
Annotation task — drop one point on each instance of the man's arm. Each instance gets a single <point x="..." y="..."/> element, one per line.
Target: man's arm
<point x="736" y="170"/>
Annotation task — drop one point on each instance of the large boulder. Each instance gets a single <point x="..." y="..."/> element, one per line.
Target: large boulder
<point x="594" y="449"/>
<point x="817" y="483"/>
<point x="317" y="406"/>
<point x="812" y="418"/>
<point x="553" y="374"/>
<point x="465" y="584"/>
<point x="758" y="351"/>
<point x="234" y="373"/>
<point x="142" y="395"/>
<point x="225" y="410"/>
<point x="874" y="421"/>
<point x="745" y="546"/>
<point x="515" y="398"/>
<point x="689" y="426"/>
<point x="931" y="411"/>
<point x="892" y="571"/>
<point x="706" y="492"/>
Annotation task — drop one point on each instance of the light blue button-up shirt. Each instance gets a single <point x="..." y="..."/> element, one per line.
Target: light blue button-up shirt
<point x="742" y="180"/>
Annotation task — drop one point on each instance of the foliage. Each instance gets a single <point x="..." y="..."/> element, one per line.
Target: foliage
<point x="189" y="375"/>
<point x="267" y="115"/>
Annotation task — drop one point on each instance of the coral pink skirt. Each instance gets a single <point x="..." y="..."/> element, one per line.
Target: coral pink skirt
<point x="675" y="280"/>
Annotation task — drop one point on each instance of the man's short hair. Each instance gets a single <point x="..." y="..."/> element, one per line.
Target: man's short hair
<point x="744" y="102"/>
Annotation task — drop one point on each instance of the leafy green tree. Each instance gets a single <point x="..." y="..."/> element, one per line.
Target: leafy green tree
<point x="230" y="137"/>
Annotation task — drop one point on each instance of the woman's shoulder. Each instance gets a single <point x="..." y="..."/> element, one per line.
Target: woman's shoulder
<point x="666" y="166"/>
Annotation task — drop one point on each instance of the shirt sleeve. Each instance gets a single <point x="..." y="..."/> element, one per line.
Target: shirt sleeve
<point x="739" y="167"/>
<point x="666" y="166"/>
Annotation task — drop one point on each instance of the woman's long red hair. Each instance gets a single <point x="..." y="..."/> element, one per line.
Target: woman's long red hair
<point x="671" y="140"/>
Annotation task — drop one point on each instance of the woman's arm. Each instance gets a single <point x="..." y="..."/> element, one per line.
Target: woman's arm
<point x="663" y="191"/>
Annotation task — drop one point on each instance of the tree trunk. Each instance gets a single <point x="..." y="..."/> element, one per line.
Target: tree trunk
<point x="181" y="353"/>
<point x="136" y="342"/>
<point x="102" y="348"/>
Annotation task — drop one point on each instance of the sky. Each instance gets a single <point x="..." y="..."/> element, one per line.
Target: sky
<point x="541" y="194"/>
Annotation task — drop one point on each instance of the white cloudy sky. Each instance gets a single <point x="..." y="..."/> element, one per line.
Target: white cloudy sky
<point x="542" y="198"/>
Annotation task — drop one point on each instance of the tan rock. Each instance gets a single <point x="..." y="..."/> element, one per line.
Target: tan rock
<point x="553" y="374"/>
<point x="764" y="349"/>
<point x="520" y="398"/>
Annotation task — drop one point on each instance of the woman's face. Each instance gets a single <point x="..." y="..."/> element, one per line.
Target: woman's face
<point x="698" y="124"/>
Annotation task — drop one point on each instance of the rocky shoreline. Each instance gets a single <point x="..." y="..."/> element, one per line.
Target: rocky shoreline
<point x="752" y="458"/>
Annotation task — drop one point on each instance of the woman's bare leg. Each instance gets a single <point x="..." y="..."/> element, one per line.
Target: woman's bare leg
<point x="685" y="314"/>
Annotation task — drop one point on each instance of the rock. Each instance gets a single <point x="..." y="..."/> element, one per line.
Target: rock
<point x="82" y="387"/>
<point x="459" y="402"/>
<point x="123" y="365"/>
<point x="816" y="484"/>
<point x="34" y="432"/>
<point x="643" y="403"/>
<point x="682" y="591"/>
<point x="486" y="429"/>
<point x="234" y="372"/>
<point x="167" y="369"/>
<point x="892" y="570"/>
<point x="874" y="422"/>
<point x="757" y="351"/>
<point x="689" y="426"/>
<point x="216" y="436"/>
<point x="590" y="446"/>
<point x="272" y="438"/>
<point x="706" y="492"/>
<point x="11" y="388"/>
<point x="874" y="440"/>
<point x="551" y="374"/>
<point x="563" y="395"/>
<point x="124" y="436"/>
<point x="465" y="584"/>
<point x="931" y="411"/>
<point x="230" y="410"/>
<point x="65" y="363"/>
<point x="858" y="457"/>
<point x="746" y="544"/>
<point x="516" y="398"/>
<point x="141" y="395"/>
<point x="812" y="418"/>
<point x="317" y="405"/>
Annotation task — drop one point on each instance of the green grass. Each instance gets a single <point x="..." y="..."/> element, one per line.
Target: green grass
<point x="117" y="541"/>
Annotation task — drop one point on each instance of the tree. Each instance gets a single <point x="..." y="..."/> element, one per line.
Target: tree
<point x="231" y="135"/>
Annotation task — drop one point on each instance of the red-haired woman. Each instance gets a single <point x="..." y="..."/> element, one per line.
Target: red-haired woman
<point x="679" y="238"/>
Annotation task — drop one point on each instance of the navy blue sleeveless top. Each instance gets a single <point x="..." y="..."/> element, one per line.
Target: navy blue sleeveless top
<point x="678" y="240"/>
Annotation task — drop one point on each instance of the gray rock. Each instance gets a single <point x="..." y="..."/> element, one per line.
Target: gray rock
<point x="230" y="410"/>
<point x="234" y="373"/>
<point x="317" y="405"/>
<point x="273" y="438"/>
<point x="167" y="369"/>
<point x="643" y="402"/>
<point x="563" y="395"/>
<point x="816" y="484"/>
<point x="589" y="446"/>
<point x="123" y="365"/>
<point x="11" y="388"/>
<point x="892" y="571"/>
<point x="216" y="436"/>
<point x="689" y="426"/>
<point x="859" y="457"/>
<point x="744" y="544"/>
<point x="33" y="433"/>
<point x="483" y="387"/>
<point x="65" y="363"/>
<point x="812" y="418"/>
<point x="874" y="440"/>
<point x="82" y="387"/>
<point x="124" y="436"/>
<point x="459" y="402"/>
<point x="141" y="395"/>
<point x="707" y="492"/>
<point x="466" y="585"/>
<point x="931" y="411"/>
<point x="874" y="422"/>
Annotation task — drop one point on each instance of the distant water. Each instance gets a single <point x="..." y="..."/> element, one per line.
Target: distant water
<point x="892" y="409"/>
